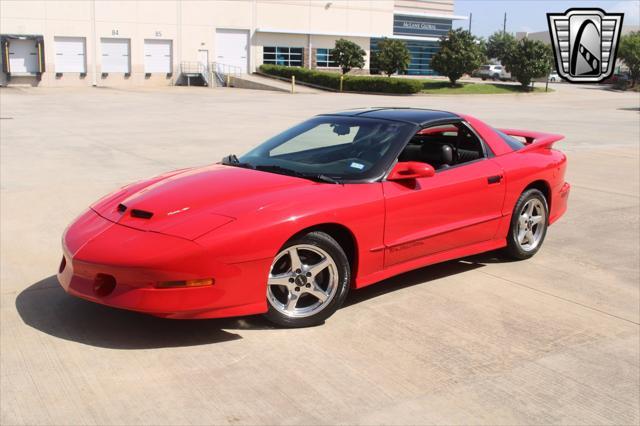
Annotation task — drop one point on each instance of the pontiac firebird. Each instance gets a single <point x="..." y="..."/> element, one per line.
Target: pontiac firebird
<point x="337" y="202"/>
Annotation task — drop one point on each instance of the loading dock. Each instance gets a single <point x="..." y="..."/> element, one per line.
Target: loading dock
<point x="115" y="55"/>
<point x="157" y="56"/>
<point x="70" y="55"/>
<point x="22" y="55"/>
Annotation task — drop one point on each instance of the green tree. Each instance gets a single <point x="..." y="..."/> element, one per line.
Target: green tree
<point x="348" y="55"/>
<point x="460" y="53"/>
<point x="629" y="52"/>
<point x="499" y="45"/>
<point x="393" y="56"/>
<point x="528" y="59"/>
<point x="374" y="64"/>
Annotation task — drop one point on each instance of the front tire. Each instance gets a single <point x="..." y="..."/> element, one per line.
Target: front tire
<point x="308" y="281"/>
<point x="529" y="222"/>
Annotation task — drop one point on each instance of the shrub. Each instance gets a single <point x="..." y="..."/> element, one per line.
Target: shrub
<point x="529" y="59"/>
<point x="500" y="45"/>
<point x="393" y="56"/>
<point x="331" y="80"/>
<point x="348" y="55"/>
<point x="629" y="52"/>
<point x="460" y="53"/>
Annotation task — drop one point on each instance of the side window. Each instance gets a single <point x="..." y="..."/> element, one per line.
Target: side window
<point x="322" y="136"/>
<point x="444" y="146"/>
<point x="469" y="147"/>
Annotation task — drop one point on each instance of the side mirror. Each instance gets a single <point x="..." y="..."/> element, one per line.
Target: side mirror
<point x="410" y="170"/>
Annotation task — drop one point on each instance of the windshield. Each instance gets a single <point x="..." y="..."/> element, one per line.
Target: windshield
<point x="338" y="147"/>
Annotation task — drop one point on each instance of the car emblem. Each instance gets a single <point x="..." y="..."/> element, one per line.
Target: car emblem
<point x="585" y="43"/>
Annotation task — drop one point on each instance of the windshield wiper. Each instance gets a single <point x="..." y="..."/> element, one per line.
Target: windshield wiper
<point x="232" y="160"/>
<point x="290" y="172"/>
<point x="325" y="178"/>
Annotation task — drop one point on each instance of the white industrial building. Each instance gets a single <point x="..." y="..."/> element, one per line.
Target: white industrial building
<point x="119" y="43"/>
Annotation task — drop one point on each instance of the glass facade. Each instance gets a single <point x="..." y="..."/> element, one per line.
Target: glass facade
<point x="421" y="53"/>
<point x="287" y="56"/>
<point x="324" y="59"/>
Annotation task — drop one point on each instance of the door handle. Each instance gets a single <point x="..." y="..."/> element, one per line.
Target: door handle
<point x="494" y="179"/>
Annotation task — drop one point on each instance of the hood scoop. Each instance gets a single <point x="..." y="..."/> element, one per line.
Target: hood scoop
<point x="137" y="213"/>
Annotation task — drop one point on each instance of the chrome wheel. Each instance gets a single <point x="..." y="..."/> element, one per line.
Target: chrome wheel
<point x="531" y="224"/>
<point x="303" y="280"/>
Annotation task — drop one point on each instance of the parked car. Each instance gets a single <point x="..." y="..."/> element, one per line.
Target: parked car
<point x="620" y="80"/>
<point x="493" y="72"/>
<point x="554" y="77"/>
<point x="338" y="202"/>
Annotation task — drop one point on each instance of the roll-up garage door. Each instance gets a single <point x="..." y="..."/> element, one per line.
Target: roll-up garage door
<point x="115" y="55"/>
<point x="157" y="56"/>
<point x="70" y="54"/>
<point x="232" y="48"/>
<point x="23" y="56"/>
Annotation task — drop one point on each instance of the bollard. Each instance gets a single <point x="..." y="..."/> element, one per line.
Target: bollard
<point x="293" y="84"/>
<point x="341" y="80"/>
<point x="228" y="80"/>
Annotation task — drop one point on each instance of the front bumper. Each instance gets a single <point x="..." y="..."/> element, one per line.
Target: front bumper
<point x="94" y="247"/>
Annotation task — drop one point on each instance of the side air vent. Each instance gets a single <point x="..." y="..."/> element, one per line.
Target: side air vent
<point x="141" y="214"/>
<point x="122" y="208"/>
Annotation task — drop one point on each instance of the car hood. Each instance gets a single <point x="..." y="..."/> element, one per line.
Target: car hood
<point x="190" y="203"/>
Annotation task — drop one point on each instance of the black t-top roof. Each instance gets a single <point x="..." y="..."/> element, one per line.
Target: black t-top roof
<point x="417" y="116"/>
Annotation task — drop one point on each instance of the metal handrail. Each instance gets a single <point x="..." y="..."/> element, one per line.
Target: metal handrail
<point x="224" y="72"/>
<point x="190" y="68"/>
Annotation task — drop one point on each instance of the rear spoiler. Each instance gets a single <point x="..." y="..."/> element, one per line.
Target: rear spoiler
<point x="534" y="140"/>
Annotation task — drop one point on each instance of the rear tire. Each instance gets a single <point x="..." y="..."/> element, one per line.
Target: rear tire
<point x="308" y="281"/>
<point x="529" y="222"/>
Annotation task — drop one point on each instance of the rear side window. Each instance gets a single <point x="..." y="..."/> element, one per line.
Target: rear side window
<point x="514" y="143"/>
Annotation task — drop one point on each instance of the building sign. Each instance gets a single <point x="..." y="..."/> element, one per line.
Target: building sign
<point x="420" y="26"/>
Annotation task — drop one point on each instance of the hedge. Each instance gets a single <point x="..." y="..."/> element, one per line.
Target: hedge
<point x="352" y="83"/>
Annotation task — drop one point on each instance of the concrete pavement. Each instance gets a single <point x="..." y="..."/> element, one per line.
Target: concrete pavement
<point x="551" y="340"/>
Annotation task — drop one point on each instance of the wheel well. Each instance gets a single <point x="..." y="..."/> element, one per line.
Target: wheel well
<point x="543" y="187"/>
<point x="342" y="235"/>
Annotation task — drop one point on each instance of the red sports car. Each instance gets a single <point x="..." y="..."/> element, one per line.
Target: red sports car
<point x="340" y="201"/>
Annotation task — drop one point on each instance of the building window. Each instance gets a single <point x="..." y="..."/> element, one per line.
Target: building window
<point x="286" y="56"/>
<point x="421" y="53"/>
<point x="324" y="59"/>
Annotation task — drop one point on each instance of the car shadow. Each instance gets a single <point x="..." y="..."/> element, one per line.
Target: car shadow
<point x="46" y="307"/>
<point x="418" y="276"/>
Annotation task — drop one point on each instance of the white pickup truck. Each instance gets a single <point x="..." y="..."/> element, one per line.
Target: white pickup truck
<point x="493" y="72"/>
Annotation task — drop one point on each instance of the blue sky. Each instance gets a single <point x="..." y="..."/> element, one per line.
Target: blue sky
<point x="530" y="15"/>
